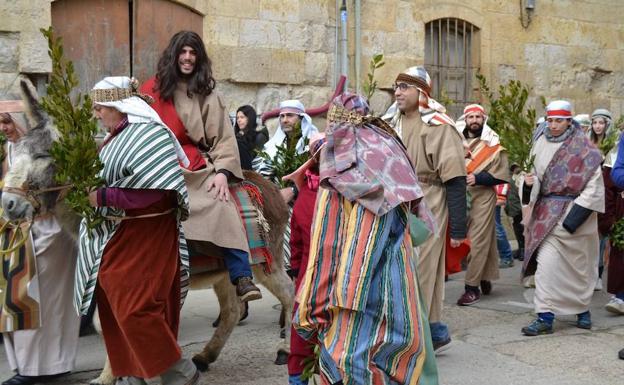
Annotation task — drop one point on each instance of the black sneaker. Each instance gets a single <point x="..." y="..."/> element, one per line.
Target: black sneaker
<point x="246" y="290"/>
<point x="440" y="346"/>
<point x="537" y="327"/>
<point x="486" y="287"/>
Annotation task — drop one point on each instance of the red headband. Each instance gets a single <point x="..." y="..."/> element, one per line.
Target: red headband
<point x="474" y="109"/>
<point x="555" y="113"/>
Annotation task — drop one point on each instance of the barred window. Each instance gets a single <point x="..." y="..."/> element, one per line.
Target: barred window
<point x="452" y="58"/>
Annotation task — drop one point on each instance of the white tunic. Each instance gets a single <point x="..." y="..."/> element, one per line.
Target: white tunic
<point x="567" y="267"/>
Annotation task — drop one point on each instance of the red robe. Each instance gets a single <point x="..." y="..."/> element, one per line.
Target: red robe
<point x="301" y="225"/>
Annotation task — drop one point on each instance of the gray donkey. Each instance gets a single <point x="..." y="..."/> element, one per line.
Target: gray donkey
<point x="27" y="196"/>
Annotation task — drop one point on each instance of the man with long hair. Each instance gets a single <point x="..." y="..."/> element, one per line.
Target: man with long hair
<point x="183" y="90"/>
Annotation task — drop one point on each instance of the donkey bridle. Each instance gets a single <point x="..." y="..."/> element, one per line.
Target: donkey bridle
<point x="32" y="196"/>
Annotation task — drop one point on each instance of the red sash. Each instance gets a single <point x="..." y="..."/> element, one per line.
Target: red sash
<point x="167" y="112"/>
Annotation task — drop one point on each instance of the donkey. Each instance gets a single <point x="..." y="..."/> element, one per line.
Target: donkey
<point x="29" y="192"/>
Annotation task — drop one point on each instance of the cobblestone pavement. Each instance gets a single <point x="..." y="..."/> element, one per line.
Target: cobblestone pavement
<point x="487" y="347"/>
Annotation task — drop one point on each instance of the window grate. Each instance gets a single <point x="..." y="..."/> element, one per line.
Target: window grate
<point x="452" y="59"/>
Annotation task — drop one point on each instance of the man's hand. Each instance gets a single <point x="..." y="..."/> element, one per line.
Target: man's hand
<point x="220" y="184"/>
<point x="471" y="180"/>
<point x="93" y="198"/>
<point x="456" y="242"/>
<point x="529" y="179"/>
<point x="287" y="194"/>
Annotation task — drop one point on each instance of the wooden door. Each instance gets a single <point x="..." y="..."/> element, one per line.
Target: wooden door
<point x="118" y="37"/>
<point x="95" y="37"/>
<point x="155" y="22"/>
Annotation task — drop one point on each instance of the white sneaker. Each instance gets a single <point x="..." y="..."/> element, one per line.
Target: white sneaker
<point x="615" y="306"/>
<point x="598" y="286"/>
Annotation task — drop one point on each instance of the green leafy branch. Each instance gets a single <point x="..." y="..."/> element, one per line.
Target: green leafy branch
<point x="286" y="159"/>
<point x="370" y="84"/>
<point x="311" y="365"/>
<point x="616" y="237"/>
<point x="75" y="152"/>
<point x="510" y="117"/>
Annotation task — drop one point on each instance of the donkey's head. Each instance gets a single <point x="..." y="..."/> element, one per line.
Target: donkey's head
<point x="32" y="168"/>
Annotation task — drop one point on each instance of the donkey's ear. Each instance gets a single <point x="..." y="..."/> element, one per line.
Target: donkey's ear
<point x="34" y="113"/>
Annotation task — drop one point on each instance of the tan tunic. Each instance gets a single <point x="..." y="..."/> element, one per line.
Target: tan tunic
<point x="438" y="156"/>
<point x="483" y="257"/>
<point x="567" y="267"/>
<point x="208" y="125"/>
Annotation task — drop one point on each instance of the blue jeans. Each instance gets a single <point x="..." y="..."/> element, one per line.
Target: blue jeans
<point x="295" y="379"/>
<point x="502" y="243"/>
<point x="439" y="331"/>
<point x="237" y="263"/>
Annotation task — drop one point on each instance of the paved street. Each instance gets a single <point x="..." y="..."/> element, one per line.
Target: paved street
<point x="487" y="348"/>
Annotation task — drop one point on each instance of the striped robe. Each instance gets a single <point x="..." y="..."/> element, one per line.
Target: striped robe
<point x="142" y="156"/>
<point x="360" y="296"/>
<point x="265" y="168"/>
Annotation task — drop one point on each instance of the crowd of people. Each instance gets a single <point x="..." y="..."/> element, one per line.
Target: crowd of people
<point x="382" y="212"/>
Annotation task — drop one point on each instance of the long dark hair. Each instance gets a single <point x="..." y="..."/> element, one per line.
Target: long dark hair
<point x="249" y="133"/>
<point x="168" y="73"/>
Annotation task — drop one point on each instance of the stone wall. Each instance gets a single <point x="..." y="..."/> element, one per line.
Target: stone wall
<point x="571" y="49"/>
<point x="22" y="47"/>
<point x="265" y="51"/>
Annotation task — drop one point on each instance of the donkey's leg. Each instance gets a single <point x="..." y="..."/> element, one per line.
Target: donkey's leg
<point x="106" y="376"/>
<point x="230" y="314"/>
<point x="281" y="286"/>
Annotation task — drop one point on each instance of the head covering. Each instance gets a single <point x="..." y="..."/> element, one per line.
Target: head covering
<point x="583" y="119"/>
<point x="431" y="112"/>
<point x="487" y="134"/>
<point x="307" y="128"/>
<point x="602" y="112"/>
<point x="121" y="93"/>
<point x="365" y="162"/>
<point x="559" y="109"/>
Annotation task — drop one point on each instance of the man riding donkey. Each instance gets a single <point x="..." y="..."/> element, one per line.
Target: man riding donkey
<point x="183" y="90"/>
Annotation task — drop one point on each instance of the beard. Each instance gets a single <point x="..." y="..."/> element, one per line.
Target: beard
<point x="475" y="129"/>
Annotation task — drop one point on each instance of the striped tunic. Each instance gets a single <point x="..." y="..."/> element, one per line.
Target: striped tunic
<point x="142" y="156"/>
<point x="360" y="296"/>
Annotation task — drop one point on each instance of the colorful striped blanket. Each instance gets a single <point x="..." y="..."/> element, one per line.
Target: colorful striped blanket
<point x="19" y="293"/>
<point x="249" y="201"/>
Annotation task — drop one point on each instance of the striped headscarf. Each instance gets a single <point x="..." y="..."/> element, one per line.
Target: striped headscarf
<point x="431" y="112"/>
<point x="487" y="134"/>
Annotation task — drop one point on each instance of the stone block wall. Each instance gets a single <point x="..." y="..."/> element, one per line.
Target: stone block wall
<point x="22" y="47"/>
<point x="265" y="51"/>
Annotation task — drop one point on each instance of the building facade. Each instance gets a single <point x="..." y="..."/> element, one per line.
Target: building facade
<point x="264" y="51"/>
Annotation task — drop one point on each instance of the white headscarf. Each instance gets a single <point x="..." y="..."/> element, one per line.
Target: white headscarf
<point x="487" y="134"/>
<point x="135" y="107"/>
<point x="307" y="128"/>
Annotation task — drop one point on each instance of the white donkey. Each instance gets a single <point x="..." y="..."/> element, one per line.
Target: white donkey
<point x="29" y="191"/>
